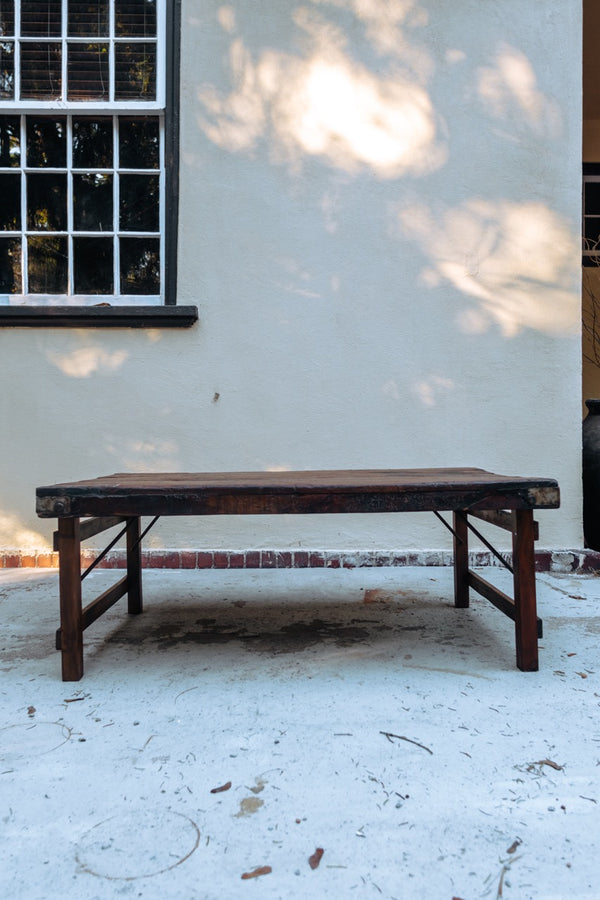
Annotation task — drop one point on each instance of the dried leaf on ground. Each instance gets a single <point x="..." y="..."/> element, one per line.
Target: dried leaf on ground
<point x="219" y="790"/>
<point x="315" y="859"/>
<point x="256" y="873"/>
<point x="513" y="847"/>
<point x="548" y="762"/>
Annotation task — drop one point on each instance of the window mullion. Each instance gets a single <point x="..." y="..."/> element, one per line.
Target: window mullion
<point x="17" y="46"/>
<point x="116" y="241"/>
<point x="64" y="54"/>
<point x="70" y="223"/>
<point x="24" y="248"/>
<point x="111" y="53"/>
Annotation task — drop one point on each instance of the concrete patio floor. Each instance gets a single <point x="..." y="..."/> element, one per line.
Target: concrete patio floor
<point x="248" y="718"/>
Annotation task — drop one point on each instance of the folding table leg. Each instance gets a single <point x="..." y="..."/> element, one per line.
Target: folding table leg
<point x="71" y="622"/>
<point x="524" y="590"/>
<point x="461" y="560"/>
<point x="134" y="566"/>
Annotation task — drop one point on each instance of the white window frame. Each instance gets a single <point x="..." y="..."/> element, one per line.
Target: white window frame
<point x="167" y="60"/>
<point x="85" y="106"/>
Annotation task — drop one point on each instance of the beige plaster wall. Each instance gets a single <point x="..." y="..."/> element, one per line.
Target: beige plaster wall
<point x="380" y="212"/>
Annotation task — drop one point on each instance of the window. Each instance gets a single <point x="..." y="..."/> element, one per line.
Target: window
<point x="85" y="132"/>
<point x="591" y="214"/>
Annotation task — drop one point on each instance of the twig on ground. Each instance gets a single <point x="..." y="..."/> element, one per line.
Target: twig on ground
<point x="401" y="737"/>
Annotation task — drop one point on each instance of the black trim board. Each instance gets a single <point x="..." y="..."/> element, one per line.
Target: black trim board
<point x="98" y="316"/>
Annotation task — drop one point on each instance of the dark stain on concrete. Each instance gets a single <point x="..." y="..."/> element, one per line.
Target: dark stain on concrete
<point x="294" y="637"/>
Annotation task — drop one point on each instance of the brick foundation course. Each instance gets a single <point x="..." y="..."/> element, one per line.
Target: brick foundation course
<point x="559" y="561"/>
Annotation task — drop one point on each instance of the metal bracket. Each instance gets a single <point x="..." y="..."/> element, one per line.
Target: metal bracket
<point x="477" y="533"/>
<point x="101" y="555"/>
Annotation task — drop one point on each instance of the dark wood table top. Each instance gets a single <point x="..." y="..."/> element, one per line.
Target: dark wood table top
<point x="327" y="491"/>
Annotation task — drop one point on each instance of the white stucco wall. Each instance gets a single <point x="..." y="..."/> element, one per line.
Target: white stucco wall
<point x="380" y="212"/>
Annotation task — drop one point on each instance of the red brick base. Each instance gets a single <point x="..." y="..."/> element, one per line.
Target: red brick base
<point x="546" y="560"/>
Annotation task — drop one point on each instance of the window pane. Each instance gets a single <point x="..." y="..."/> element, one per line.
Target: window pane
<point x="7" y="17"/>
<point x="46" y="142"/>
<point x="93" y="265"/>
<point x="10" y="145"/>
<point x="10" y="207"/>
<point x="88" y="19"/>
<point x="47" y="265"/>
<point x="10" y="266"/>
<point x="93" y="202"/>
<point x="135" y="18"/>
<point x="592" y="234"/>
<point x="92" y="143"/>
<point x="40" y="19"/>
<point x="7" y="70"/>
<point x="139" y="143"/>
<point x="592" y="198"/>
<point x="40" y="71"/>
<point x="87" y="72"/>
<point x="47" y="202"/>
<point x="135" y="71"/>
<point x="140" y="265"/>
<point x="138" y="202"/>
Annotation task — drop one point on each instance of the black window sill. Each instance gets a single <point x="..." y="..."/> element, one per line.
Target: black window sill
<point x="98" y="316"/>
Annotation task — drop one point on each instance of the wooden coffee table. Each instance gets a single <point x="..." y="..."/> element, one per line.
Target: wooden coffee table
<point x="86" y="508"/>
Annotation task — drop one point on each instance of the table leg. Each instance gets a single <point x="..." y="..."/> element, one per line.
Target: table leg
<point x="134" y="566"/>
<point x="71" y="623"/>
<point x="524" y="590"/>
<point x="461" y="560"/>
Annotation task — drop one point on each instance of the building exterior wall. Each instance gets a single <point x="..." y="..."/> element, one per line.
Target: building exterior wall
<point x="379" y="223"/>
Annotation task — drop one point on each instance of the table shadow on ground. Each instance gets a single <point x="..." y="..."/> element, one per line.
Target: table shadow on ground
<point x="420" y="627"/>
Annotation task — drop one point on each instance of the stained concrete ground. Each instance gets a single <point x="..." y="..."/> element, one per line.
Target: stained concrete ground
<point x="253" y="719"/>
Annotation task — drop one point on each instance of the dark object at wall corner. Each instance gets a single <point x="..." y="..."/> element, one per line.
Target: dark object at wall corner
<point x="591" y="475"/>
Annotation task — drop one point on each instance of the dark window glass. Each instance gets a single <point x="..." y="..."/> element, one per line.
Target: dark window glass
<point x="87" y="72"/>
<point x="10" y="144"/>
<point x="7" y="70"/>
<point x="47" y="202"/>
<point x="40" y="19"/>
<point x="135" y="71"/>
<point x="88" y="19"/>
<point x="46" y="142"/>
<point x="592" y="198"/>
<point x="10" y="207"/>
<point x="92" y="202"/>
<point x="10" y="266"/>
<point x="92" y="143"/>
<point x="140" y="265"/>
<point x="7" y="18"/>
<point x="135" y="18"/>
<point x="47" y="265"/>
<point x="40" y="71"/>
<point x="139" y="143"/>
<point x="592" y="233"/>
<point x="93" y="265"/>
<point x="138" y="203"/>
